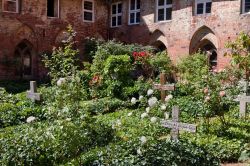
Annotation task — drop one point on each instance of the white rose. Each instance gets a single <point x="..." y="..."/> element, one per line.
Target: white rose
<point x="129" y="114"/>
<point x="143" y="139"/>
<point x="163" y="107"/>
<point x="152" y="101"/>
<point x="140" y="98"/>
<point x="150" y="92"/>
<point x="168" y="98"/>
<point x="166" y="114"/>
<point x="61" y="81"/>
<point x="30" y="119"/>
<point x="147" y="109"/>
<point x="133" y="100"/>
<point x="118" y="122"/>
<point x="139" y="151"/>
<point x="153" y="119"/>
<point x="144" y="115"/>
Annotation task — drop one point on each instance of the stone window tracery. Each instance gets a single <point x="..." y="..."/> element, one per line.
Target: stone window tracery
<point x="10" y="6"/>
<point x="164" y="10"/>
<point x="203" y="7"/>
<point x="134" y="12"/>
<point x="88" y="10"/>
<point x="116" y="14"/>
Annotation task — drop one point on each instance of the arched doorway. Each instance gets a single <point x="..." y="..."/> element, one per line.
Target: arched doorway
<point x="159" y="46"/>
<point x="205" y="41"/>
<point x="23" y="56"/>
<point x="208" y="49"/>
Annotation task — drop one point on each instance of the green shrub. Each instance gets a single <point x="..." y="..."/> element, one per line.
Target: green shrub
<point x="161" y="63"/>
<point x="105" y="49"/>
<point x="50" y="143"/>
<point x="153" y="153"/>
<point x="63" y="62"/>
<point x="227" y="150"/>
<point x="104" y="105"/>
<point x="17" y="108"/>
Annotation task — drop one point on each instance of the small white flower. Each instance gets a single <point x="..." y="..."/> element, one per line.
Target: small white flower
<point x="61" y="81"/>
<point x="143" y="139"/>
<point x="129" y="114"/>
<point x="150" y="92"/>
<point x="140" y="98"/>
<point x="163" y="107"/>
<point x="144" y="115"/>
<point x="118" y="122"/>
<point x="166" y="114"/>
<point x="30" y="119"/>
<point x="139" y="151"/>
<point x="152" y="101"/>
<point x="133" y="100"/>
<point x="168" y="98"/>
<point x="153" y="119"/>
<point x="147" y="109"/>
<point x="68" y="119"/>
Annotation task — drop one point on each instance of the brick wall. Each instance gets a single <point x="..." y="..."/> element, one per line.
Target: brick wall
<point x="42" y="32"/>
<point x="181" y="35"/>
<point x="225" y="22"/>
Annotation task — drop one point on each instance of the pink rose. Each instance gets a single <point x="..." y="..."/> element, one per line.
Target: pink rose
<point x="222" y="93"/>
<point x="206" y="91"/>
<point x="207" y="99"/>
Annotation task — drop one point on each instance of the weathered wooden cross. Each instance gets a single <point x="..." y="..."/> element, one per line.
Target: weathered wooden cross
<point x="32" y="93"/>
<point x="243" y="99"/>
<point x="175" y="125"/>
<point x="163" y="87"/>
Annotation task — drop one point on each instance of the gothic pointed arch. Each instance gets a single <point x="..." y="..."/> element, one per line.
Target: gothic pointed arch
<point x="205" y="40"/>
<point x="24" y="59"/>
<point x="159" y="41"/>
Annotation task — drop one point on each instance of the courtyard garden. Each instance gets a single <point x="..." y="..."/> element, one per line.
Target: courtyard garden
<point x="109" y="111"/>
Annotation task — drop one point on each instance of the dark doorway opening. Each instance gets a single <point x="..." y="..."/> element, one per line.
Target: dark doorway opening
<point x="23" y="57"/>
<point x="210" y="50"/>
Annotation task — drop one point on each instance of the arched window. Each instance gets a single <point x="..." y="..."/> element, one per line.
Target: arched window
<point x="23" y="57"/>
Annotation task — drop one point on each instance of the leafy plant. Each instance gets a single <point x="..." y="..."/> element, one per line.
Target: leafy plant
<point x="63" y="61"/>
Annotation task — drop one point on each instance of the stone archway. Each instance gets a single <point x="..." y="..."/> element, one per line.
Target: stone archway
<point x="24" y="58"/>
<point x="159" y="41"/>
<point x="205" y="41"/>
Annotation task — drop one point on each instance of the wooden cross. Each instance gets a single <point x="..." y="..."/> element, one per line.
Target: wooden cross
<point x="32" y="93"/>
<point x="175" y="125"/>
<point x="163" y="87"/>
<point x="243" y="99"/>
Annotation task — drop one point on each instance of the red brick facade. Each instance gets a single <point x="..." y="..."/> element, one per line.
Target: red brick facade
<point x="31" y="29"/>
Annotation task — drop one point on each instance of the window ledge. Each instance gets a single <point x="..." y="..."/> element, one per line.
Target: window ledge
<point x="10" y="12"/>
<point x="134" y="24"/>
<point x="162" y="22"/>
<point x="53" y="17"/>
<point x="87" y="21"/>
<point x="203" y="15"/>
<point x="245" y="14"/>
<point x="116" y="26"/>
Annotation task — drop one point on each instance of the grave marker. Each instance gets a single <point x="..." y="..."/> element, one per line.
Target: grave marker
<point x="32" y="93"/>
<point x="163" y="87"/>
<point x="243" y="99"/>
<point x="175" y="125"/>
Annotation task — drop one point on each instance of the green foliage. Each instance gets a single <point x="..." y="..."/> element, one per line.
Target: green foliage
<point x="161" y="63"/>
<point x="104" y="50"/>
<point x="224" y="149"/>
<point x="240" y="53"/>
<point x="161" y="152"/>
<point x="15" y="109"/>
<point x="50" y="143"/>
<point x="104" y="105"/>
<point x="63" y="62"/>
